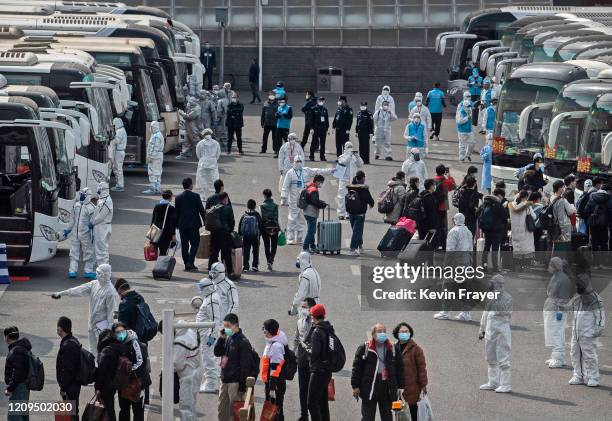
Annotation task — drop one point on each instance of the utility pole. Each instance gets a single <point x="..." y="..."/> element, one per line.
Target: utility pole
<point x="221" y="18"/>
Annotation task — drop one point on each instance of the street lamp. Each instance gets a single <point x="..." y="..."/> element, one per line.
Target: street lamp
<point x="260" y="3"/>
<point x="221" y="19"/>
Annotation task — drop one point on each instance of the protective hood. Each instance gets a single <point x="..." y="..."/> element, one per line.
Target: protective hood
<point x="475" y="72"/>
<point x="186" y="337"/>
<point x="467" y="95"/>
<point x="418" y="96"/>
<point x="206" y="133"/>
<point x="85" y="195"/>
<point x="292" y="138"/>
<point x="487" y="82"/>
<point x="498" y="282"/>
<point x="590" y="300"/>
<point x="103" y="190"/>
<point x="217" y="272"/>
<point x="459" y="219"/>
<point x="221" y="94"/>
<point x="556" y="263"/>
<point x="280" y="337"/>
<point x="385" y="88"/>
<point x="416" y="116"/>
<point x="348" y="147"/>
<point x="297" y="162"/>
<point x="206" y="286"/>
<point x="103" y="274"/>
<point x="154" y="127"/>
<point x="118" y="123"/>
<point x="587" y="185"/>
<point x="304" y="260"/>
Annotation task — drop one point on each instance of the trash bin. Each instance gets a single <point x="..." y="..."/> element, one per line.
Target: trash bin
<point x="330" y="79"/>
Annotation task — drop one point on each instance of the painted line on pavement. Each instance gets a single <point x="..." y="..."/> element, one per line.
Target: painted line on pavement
<point x="147" y="211"/>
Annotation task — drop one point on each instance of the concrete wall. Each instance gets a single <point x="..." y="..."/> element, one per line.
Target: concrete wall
<point x="366" y="69"/>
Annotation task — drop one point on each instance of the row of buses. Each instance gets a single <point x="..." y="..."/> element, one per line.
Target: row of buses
<point x="66" y="70"/>
<point x="554" y="65"/>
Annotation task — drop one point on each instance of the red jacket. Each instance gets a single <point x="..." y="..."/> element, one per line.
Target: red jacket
<point x="448" y="184"/>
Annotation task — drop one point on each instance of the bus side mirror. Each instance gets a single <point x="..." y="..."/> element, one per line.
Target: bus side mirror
<point x="606" y="150"/>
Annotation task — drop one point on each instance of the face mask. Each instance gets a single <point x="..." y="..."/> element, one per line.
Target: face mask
<point x="418" y="103"/>
<point x="234" y="99"/>
<point x="304" y="312"/>
<point x="282" y="104"/>
<point x="228" y="332"/>
<point x="271" y="97"/>
<point x="121" y="335"/>
<point x="385" y="92"/>
<point x="339" y="103"/>
<point x="417" y="157"/>
<point x="298" y="166"/>
<point x="362" y="108"/>
<point x="385" y="107"/>
<point x="297" y="264"/>
<point x="416" y="121"/>
<point x="381" y="337"/>
<point x="82" y="197"/>
<point x="403" y="336"/>
<point x="321" y="104"/>
<point x="292" y="140"/>
<point x="99" y="191"/>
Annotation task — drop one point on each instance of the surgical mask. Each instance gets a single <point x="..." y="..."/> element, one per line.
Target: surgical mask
<point x="304" y="312"/>
<point x="419" y="103"/>
<point x="121" y="335"/>
<point x="297" y="166"/>
<point x="234" y="99"/>
<point x="339" y="103"/>
<point x="82" y="197"/>
<point x="416" y="156"/>
<point x="403" y="336"/>
<point x="381" y="337"/>
<point x="228" y="332"/>
<point x="282" y="104"/>
<point x="416" y="120"/>
<point x="363" y="108"/>
<point x="385" y="107"/>
<point x="271" y="97"/>
<point x="385" y="92"/>
<point x="320" y="103"/>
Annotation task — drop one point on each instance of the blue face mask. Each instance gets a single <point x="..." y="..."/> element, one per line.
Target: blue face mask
<point x="228" y="332"/>
<point x="403" y="336"/>
<point x="381" y="337"/>
<point x="121" y="335"/>
<point x="99" y="191"/>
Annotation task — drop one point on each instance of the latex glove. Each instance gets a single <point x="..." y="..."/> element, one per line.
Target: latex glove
<point x="348" y="132"/>
<point x="67" y="233"/>
<point x="56" y="296"/>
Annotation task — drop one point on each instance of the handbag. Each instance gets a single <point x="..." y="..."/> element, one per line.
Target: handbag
<point x="530" y="221"/>
<point x="269" y="411"/>
<point x="132" y="391"/>
<point x="424" y="412"/>
<point x="150" y="252"/>
<point x="236" y="407"/>
<point x="94" y="410"/>
<point x="282" y="239"/>
<point x="154" y="232"/>
<point x="331" y="390"/>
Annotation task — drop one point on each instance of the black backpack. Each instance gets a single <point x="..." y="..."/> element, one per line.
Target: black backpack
<point x="213" y="218"/>
<point x="290" y="366"/>
<point x="303" y="200"/>
<point x="352" y="202"/>
<point x="416" y="210"/>
<point x="548" y="222"/>
<point x="582" y="204"/>
<point x="486" y="218"/>
<point x="87" y="367"/>
<point x="336" y="355"/>
<point x="599" y="217"/>
<point x="440" y="194"/>
<point x="145" y="326"/>
<point x="36" y="373"/>
<point x="255" y="361"/>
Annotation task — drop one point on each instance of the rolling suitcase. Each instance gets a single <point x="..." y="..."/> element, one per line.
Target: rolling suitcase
<point x="394" y="241"/>
<point x="480" y="260"/>
<point x="329" y="235"/>
<point x="236" y="264"/>
<point x="416" y="248"/>
<point x="164" y="267"/>
<point x="204" y="246"/>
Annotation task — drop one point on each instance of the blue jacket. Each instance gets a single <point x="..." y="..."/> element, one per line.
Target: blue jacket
<point x="411" y="105"/>
<point x="419" y="132"/>
<point x="487" y="97"/>
<point x="475" y="85"/>
<point x="435" y="100"/>
<point x="284" y="116"/>
<point x="462" y="113"/>
<point x="486" y="155"/>
<point x="490" y="123"/>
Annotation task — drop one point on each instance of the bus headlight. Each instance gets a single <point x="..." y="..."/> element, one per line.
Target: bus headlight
<point x="49" y="233"/>
<point x="98" y="176"/>
<point x="64" y="215"/>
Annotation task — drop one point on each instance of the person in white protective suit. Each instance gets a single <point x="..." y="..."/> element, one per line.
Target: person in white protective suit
<point x="414" y="166"/>
<point x="81" y="240"/>
<point x="383" y="117"/>
<point x="117" y="146"/>
<point x="309" y="282"/>
<point x="559" y="291"/>
<point x="423" y="111"/>
<point x="228" y="293"/>
<point x="187" y="366"/>
<point x="385" y="95"/>
<point x="208" y="152"/>
<point x="463" y="120"/>
<point x="101" y="223"/>
<point x="589" y="322"/>
<point x="286" y="156"/>
<point x="209" y="311"/>
<point x="155" y="159"/>
<point x="495" y="329"/>
<point x="208" y="109"/>
<point x="192" y="116"/>
<point x="219" y="125"/>
<point x="294" y="182"/>
<point x="351" y="161"/>
<point x="103" y="302"/>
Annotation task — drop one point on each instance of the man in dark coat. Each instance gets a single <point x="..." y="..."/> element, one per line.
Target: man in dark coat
<point x="190" y="216"/>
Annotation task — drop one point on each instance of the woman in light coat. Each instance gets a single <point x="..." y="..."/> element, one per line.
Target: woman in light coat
<point x="523" y="248"/>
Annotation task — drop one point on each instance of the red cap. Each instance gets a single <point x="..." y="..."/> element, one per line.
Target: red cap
<point x="317" y="311"/>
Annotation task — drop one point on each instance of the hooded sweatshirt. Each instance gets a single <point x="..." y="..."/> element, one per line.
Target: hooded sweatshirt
<point x="318" y="342"/>
<point x="17" y="366"/>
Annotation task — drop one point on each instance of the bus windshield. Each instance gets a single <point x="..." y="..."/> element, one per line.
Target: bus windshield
<point x="63" y="164"/>
<point x="516" y="95"/>
<point x="545" y="52"/>
<point x="163" y="93"/>
<point x="45" y="156"/>
<point x="99" y="99"/>
<point x="599" y="124"/>
<point x="148" y="94"/>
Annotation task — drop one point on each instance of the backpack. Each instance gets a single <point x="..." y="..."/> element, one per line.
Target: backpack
<point x="290" y="367"/>
<point x="123" y="373"/>
<point x="87" y="367"/>
<point x="352" y="202"/>
<point x="36" y="373"/>
<point x="548" y="222"/>
<point x="599" y="217"/>
<point x="485" y="217"/>
<point x="336" y="354"/>
<point x="255" y="361"/>
<point x="213" y="218"/>
<point x="303" y="200"/>
<point x="582" y="204"/>
<point x="386" y="201"/>
<point x="145" y="326"/>
<point x="416" y="210"/>
<point x="249" y="226"/>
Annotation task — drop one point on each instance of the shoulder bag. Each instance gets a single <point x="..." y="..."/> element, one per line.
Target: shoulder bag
<point x="154" y="232"/>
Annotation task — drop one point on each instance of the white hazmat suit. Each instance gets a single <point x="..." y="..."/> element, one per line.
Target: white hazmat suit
<point x="155" y="159"/>
<point x="208" y="152"/>
<point x="103" y="302"/>
<point x="192" y="117"/>
<point x="309" y="282"/>
<point x="209" y="311"/>
<point x="101" y="223"/>
<point x="383" y="117"/>
<point x="286" y="156"/>
<point x="559" y="292"/>
<point x="228" y="293"/>
<point x="187" y="363"/>
<point x="117" y="146"/>
<point x="81" y="240"/>
<point x="385" y="95"/>
<point x="294" y="182"/>
<point x="351" y="160"/>
<point x="464" y="130"/>
<point x="495" y="328"/>
<point x="423" y="111"/>
<point x="414" y="166"/>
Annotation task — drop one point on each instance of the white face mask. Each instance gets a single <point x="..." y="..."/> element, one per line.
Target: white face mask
<point x="363" y="108"/>
<point x="271" y="97"/>
<point x="234" y="99"/>
<point x="339" y="103"/>
<point x="418" y="103"/>
<point x="385" y="107"/>
<point x="321" y="103"/>
<point x="385" y="92"/>
<point x="282" y="104"/>
<point x="304" y="312"/>
<point x="291" y="140"/>
<point x="416" y="120"/>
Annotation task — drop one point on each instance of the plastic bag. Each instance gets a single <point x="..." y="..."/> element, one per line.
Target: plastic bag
<point x="424" y="409"/>
<point x="282" y="239"/>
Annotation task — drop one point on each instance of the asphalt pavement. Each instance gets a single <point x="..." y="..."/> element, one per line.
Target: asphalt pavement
<point x="455" y="357"/>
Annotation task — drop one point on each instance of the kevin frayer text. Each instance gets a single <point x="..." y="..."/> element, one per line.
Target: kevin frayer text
<point x="428" y="294"/>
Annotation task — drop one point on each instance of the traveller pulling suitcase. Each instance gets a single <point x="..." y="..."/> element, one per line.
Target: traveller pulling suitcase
<point x="164" y="267"/>
<point x="394" y="241"/>
<point x="329" y="235"/>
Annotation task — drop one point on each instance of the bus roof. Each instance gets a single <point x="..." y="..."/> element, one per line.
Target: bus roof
<point x="24" y="107"/>
<point x="565" y="72"/>
<point x="38" y="89"/>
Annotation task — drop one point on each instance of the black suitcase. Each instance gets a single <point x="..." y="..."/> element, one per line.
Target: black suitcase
<point x="164" y="267"/>
<point x="417" y="248"/>
<point x="393" y="242"/>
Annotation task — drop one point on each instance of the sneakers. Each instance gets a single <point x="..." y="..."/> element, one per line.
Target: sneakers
<point x="376" y="157"/>
<point x="275" y="155"/>
<point x="117" y="189"/>
<point x="443" y="315"/>
<point x="181" y="157"/>
<point x="254" y="269"/>
<point x="554" y="363"/>
<point x="353" y="252"/>
<point x="72" y="275"/>
<point x="323" y="159"/>
<point x="208" y="389"/>
<point x="291" y="241"/>
<point x="592" y="383"/>
<point x="270" y="267"/>
<point x="504" y="389"/>
<point x="437" y="138"/>
<point x="575" y="380"/>
<point x="469" y="158"/>
<point x="464" y="316"/>
<point x="488" y="386"/>
<point x="149" y="191"/>
<point x="342" y="217"/>
<point x="245" y="269"/>
<point x="360" y="249"/>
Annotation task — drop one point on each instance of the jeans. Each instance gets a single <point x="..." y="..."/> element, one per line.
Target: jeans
<point x="126" y="406"/>
<point x="21" y="393"/>
<point x="303" y="378"/>
<point x="248" y="243"/>
<point x="309" y="240"/>
<point x="357" y="223"/>
<point x="436" y="123"/>
<point x="317" y="396"/>
<point x="230" y="138"/>
<point x="190" y="240"/>
<point x="266" y="133"/>
<point x="270" y="244"/>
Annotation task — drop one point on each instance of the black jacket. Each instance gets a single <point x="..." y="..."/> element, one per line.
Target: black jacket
<point x="126" y="349"/>
<point x="365" y="197"/>
<point x="237" y="349"/>
<point x="365" y="367"/>
<point x="430" y="205"/>
<point x="235" y="112"/>
<point x="365" y="123"/>
<point x="109" y="352"/>
<point x="68" y="364"/>
<point x="468" y="203"/>
<point x="268" y="113"/>
<point x="128" y="311"/>
<point x="169" y="228"/>
<point x="189" y="211"/>
<point x="307" y="108"/>
<point x="500" y="214"/>
<point x="319" y="117"/>
<point x="257" y="216"/>
<point x="343" y="120"/>
<point x="17" y="365"/>
<point x="254" y="73"/>
<point x="208" y="58"/>
<point x="317" y="342"/>
<point x="408" y="198"/>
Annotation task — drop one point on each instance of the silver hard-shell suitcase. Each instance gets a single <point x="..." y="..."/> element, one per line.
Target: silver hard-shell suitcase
<point x="329" y="235"/>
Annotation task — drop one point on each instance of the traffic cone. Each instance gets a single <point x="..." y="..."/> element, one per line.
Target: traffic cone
<point x="4" y="275"/>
